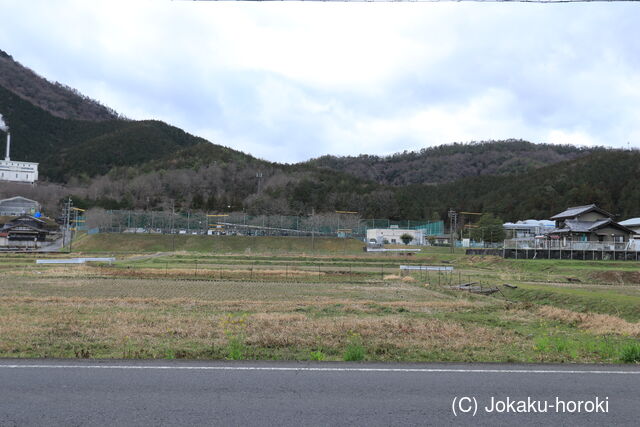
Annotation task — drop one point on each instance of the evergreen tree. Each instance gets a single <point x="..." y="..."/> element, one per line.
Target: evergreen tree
<point x="489" y="229"/>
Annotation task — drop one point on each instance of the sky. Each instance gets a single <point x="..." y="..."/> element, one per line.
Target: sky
<point x="290" y="81"/>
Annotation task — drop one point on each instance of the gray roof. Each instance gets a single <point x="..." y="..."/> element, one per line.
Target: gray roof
<point x="631" y="222"/>
<point x="21" y="225"/>
<point x="587" y="226"/>
<point x="23" y="218"/>
<point x="579" y="210"/>
<point x="18" y="199"/>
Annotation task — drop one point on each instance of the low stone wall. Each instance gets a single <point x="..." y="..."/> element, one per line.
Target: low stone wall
<point x="482" y="251"/>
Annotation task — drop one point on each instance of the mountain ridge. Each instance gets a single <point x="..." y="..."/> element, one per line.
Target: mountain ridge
<point x="58" y="99"/>
<point x="125" y="164"/>
<point x="449" y="162"/>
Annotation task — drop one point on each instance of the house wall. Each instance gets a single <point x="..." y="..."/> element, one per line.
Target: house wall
<point x="5" y="242"/>
<point x="23" y="244"/>
<point x="591" y="216"/>
<point x="608" y="231"/>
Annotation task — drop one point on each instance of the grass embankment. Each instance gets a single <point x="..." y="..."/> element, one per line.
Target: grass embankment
<point x="315" y="307"/>
<point x="620" y="301"/>
<point x="611" y="272"/>
<point x="139" y="243"/>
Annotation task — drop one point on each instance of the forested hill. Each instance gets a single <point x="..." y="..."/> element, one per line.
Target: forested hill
<point x="607" y="178"/>
<point x="447" y="163"/>
<point x="55" y="98"/>
<point x="67" y="148"/>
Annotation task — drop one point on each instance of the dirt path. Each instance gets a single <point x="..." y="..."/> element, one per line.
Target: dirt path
<point x="144" y="257"/>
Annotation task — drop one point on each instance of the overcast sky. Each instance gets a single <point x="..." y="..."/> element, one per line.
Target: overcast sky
<point x="290" y="81"/>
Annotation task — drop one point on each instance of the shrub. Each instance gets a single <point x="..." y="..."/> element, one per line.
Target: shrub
<point x="236" y="348"/>
<point x="631" y="353"/>
<point x="317" y="355"/>
<point x="354" y="351"/>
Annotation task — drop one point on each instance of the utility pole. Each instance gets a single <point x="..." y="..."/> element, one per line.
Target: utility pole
<point x="67" y="220"/>
<point x="75" y="220"/>
<point x="313" y="230"/>
<point x="259" y="176"/>
<point x="73" y="229"/>
<point x="173" y="234"/>
<point x="453" y="223"/>
<point x="64" y="226"/>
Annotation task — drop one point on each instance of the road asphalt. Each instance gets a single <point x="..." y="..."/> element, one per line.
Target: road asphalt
<point x="162" y="392"/>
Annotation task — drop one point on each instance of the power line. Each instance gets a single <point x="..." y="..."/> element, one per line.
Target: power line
<point x="443" y="1"/>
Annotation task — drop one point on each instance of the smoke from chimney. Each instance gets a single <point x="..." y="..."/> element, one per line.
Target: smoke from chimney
<point x="5" y="128"/>
<point x="3" y="125"/>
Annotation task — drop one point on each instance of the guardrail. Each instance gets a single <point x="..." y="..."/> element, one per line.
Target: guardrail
<point x="73" y="260"/>
<point x="426" y="267"/>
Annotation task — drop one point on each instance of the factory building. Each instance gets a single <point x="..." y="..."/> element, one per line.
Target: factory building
<point x="17" y="171"/>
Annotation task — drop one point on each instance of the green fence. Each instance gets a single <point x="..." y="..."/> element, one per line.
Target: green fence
<point x="332" y="224"/>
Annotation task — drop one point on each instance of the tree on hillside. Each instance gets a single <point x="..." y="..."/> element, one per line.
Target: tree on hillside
<point x="489" y="229"/>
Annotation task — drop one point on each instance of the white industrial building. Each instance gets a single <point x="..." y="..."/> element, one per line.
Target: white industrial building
<point x="633" y="224"/>
<point x="392" y="236"/>
<point x="17" y="171"/>
<point x="528" y="228"/>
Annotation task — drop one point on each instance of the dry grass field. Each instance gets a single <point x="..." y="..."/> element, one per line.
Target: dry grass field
<point x="323" y="307"/>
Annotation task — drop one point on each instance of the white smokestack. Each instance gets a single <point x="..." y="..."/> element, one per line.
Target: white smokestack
<point x="6" y="156"/>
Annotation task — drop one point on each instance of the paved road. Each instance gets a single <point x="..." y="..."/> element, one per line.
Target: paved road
<point x="54" y="392"/>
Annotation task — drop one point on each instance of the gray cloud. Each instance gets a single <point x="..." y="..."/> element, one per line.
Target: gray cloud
<point x="292" y="81"/>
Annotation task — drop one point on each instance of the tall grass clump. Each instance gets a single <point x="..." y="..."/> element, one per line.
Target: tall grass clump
<point x="354" y="352"/>
<point x="631" y="353"/>
<point x="234" y="328"/>
<point x="317" y="355"/>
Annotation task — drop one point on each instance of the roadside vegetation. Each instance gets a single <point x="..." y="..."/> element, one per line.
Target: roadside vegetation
<point x="327" y="305"/>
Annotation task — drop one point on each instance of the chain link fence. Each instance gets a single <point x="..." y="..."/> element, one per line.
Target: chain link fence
<point x="240" y="223"/>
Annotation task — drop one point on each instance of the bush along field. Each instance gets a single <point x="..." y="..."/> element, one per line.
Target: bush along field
<point x="337" y="304"/>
